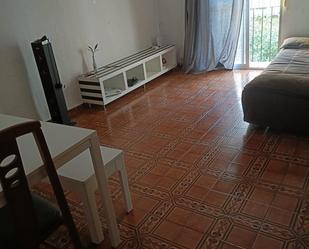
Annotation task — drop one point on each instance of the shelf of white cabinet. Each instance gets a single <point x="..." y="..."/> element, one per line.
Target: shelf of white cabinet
<point x="141" y="68"/>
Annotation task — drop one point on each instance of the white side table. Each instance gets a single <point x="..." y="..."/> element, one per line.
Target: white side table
<point x="78" y="176"/>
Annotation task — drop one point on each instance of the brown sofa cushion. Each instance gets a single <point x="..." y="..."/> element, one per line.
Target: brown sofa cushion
<point x="284" y="84"/>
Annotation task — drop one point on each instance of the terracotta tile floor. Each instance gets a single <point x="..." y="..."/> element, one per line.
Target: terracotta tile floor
<point x="200" y="177"/>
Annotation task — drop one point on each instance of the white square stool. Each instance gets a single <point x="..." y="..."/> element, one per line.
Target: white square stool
<point x="83" y="182"/>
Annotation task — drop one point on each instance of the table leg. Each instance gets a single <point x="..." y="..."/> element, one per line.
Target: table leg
<point x="104" y="191"/>
<point x="87" y="194"/>
<point x="124" y="184"/>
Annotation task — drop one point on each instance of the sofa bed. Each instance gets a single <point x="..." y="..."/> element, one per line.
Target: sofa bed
<point x="279" y="97"/>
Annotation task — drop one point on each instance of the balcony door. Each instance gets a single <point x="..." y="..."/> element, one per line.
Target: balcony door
<point x="259" y="36"/>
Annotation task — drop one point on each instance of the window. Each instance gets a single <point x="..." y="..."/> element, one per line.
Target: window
<point x="258" y="41"/>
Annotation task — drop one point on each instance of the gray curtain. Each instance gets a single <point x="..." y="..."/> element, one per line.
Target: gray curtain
<point x="212" y="32"/>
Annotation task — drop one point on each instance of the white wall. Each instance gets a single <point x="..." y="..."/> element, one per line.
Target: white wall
<point x="295" y="19"/>
<point x="172" y="23"/>
<point x="121" y="27"/>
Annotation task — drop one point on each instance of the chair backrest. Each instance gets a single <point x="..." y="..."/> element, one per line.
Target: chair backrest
<point x="15" y="186"/>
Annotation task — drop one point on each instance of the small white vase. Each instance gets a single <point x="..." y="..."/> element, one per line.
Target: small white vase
<point x="94" y="63"/>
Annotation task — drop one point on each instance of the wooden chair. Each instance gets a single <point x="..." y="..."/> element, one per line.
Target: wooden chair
<point x="27" y="220"/>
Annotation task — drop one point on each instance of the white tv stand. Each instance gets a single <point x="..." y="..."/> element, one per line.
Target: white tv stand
<point x="143" y="66"/>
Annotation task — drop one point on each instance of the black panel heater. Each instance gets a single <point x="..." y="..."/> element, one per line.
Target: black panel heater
<point x="45" y="60"/>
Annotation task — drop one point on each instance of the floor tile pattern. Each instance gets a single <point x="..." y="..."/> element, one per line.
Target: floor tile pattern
<point x="200" y="177"/>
